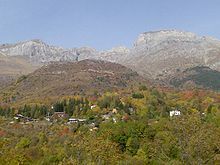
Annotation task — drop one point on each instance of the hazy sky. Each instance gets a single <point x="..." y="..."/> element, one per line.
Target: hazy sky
<point x="103" y="24"/>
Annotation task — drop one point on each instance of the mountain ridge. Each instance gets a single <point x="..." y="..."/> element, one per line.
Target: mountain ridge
<point x="155" y="55"/>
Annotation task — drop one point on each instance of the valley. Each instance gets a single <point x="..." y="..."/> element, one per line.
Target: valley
<point x="157" y="102"/>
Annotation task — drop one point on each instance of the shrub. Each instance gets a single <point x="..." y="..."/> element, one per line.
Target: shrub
<point x="137" y="95"/>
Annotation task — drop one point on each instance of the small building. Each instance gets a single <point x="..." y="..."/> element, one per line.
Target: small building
<point x="20" y="117"/>
<point x="75" y="120"/>
<point x="115" y="111"/>
<point x="82" y="120"/>
<point x="47" y="118"/>
<point x="131" y="110"/>
<point x="93" y="106"/>
<point x="93" y="126"/>
<point x="107" y="116"/>
<point x="94" y="129"/>
<point x="175" y="113"/>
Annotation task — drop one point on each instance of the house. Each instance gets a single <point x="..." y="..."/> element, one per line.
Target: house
<point x="47" y="118"/>
<point x="93" y="126"/>
<point x="94" y="129"/>
<point x="114" y="120"/>
<point x="131" y="110"/>
<point x="115" y="111"/>
<point x="107" y="116"/>
<point x="82" y="120"/>
<point x="23" y="118"/>
<point x="18" y="116"/>
<point x="93" y="106"/>
<point x="74" y="120"/>
<point x="175" y="113"/>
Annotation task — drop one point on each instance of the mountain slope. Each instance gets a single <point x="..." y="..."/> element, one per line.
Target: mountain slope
<point x="161" y="53"/>
<point x="199" y="76"/>
<point x="156" y="55"/>
<point x="71" y="78"/>
<point x="25" y="57"/>
<point x="15" y="65"/>
<point x="12" y="67"/>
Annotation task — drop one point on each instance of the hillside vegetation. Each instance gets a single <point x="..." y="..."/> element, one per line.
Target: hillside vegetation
<point x="200" y="76"/>
<point x="71" y="78"/>
<point x="130" y="126"/>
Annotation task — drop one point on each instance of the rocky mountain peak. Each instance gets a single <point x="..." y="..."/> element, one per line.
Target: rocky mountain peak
<point x="38" y="52"/>
<point x="156" y="37"/>
<point x="36" y="41"/>
<point x="154" y="54"/>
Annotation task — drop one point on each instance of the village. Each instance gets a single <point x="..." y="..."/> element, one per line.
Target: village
<point x="63" y="117"/>
<point x="93" y="124"/>
<point x="128" y="124"/>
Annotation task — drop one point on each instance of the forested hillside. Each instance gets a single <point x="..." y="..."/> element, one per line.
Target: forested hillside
<point x="71" y="78"/>
<point x="130" y="126"/>
<point x="200" y="77"/>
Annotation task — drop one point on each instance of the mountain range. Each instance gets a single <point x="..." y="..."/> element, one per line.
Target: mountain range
<point x="155" y="55"/>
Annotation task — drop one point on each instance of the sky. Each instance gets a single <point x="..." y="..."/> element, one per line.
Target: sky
<point x="103" y="24"/>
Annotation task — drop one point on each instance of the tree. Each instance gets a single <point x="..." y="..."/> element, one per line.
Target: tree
<point x="132" y="145"/>
<point x="23" y="143"/>
<point x="137" y="95"/>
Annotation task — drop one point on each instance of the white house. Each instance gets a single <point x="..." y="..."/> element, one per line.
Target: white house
<point x="107" y="116"/>
<point x="115" y="111"/>
<point x="93" y="106"/>
<point x="82" y="120"/>
<point x="74" y="120"/>
<point x="174" y="113"/>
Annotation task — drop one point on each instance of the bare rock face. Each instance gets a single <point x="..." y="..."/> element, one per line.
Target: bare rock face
<point x="39" y="52"/>
<point x="152" y="39"/>
<point x="163" y="52"/>
<point x="154" y="54"/>
<point x="25" y="57"/>
<point x="117" y="54"/>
